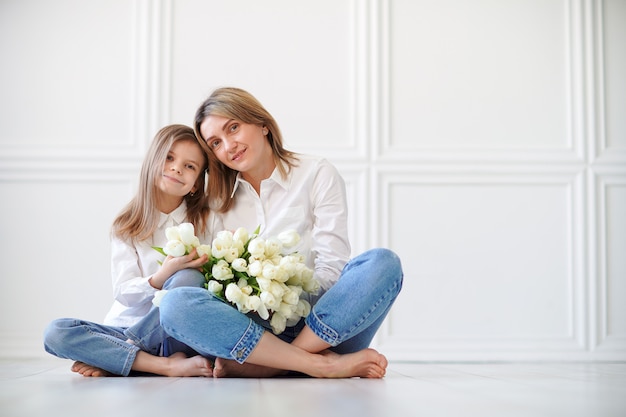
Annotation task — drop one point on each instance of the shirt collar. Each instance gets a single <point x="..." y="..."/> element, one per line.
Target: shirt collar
<point x="176" y="217"/>
<point x="275" y="177"/>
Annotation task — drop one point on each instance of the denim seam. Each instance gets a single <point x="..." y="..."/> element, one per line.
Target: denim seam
<point x="251" y="336"/>
<point x="332" y="337"/>
<point x="323" y="331"/>
<point x="131" y="351"/>
<point x="130" y="359"/>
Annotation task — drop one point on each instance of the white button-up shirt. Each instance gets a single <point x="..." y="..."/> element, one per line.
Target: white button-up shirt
<point x="312" y="200"/>
<point x="132" y="265"/>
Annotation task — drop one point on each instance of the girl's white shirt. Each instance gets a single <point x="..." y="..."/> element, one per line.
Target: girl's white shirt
<point x="311" y="200"/>
<point x="133" y="263"/>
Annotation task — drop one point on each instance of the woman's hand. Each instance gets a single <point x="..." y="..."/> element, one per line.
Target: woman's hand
<point x="173" y="264"/>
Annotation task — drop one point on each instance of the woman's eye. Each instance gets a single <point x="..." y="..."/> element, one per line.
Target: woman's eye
<point x="214" y="144"/>
<point x="234" y="127"/>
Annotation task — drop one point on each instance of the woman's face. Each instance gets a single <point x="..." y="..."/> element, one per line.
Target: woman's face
<point x="240" y="146"/>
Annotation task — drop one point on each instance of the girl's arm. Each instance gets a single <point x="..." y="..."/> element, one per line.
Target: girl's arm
<point x="130" y="273"/>
<point x="137" y="273"/>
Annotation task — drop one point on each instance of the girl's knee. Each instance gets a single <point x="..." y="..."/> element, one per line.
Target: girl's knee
<point x="185" y="278"/>
<point x="55" y="334"/>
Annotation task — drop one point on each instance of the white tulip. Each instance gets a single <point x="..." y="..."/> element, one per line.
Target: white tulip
<point x="230" y="254"/>
<point x="241" y="235"/>
<point x="226" y="237"/>
<point x="214" y="286"/>
<point x="187" y="235"/>
<point x="289" y="238"/>
<point x="256" y="247"/>
<point x="273" y="247"/>
<point x="158" y="296"/>
<point x="221" y="271"/>
<point x="203" y="250"/>
<point x="234" y="295"/>
<point x="172" y="233"/>
<point x="303" y="308"/>
<point x="255" y="269"/>
<point x="269" y="300"/>
<point x="292" y="296"/>
<point x="174" y="248"/>
<point x="239" y="265"/>
<point x="278" y="323"/>
<point x="218" y="249"/>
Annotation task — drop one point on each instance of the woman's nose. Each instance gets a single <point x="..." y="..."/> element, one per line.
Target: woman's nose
<point x="229" y="144"/>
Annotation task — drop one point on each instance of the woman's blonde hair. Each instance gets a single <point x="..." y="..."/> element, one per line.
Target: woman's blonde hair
<point x="238" y="104"/>
<point x="140" y="218"/>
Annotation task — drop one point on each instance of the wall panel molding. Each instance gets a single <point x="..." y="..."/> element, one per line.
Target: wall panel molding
<point x="385" y="150"/>
<point x="145" y="96"/>
<point x="600" y="150"/>
<point x="602" y="340"/>
<point x="572" y="344"/>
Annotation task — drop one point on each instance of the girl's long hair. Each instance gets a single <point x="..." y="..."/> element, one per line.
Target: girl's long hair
<point x="238" y="104"/>
<point x="140" y="218"/>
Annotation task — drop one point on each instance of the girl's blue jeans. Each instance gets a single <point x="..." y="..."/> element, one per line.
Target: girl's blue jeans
<point x="346" y="316"/>
<point x="107" y="347"/>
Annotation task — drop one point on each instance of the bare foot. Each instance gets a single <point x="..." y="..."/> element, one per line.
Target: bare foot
<point x="366" y="363"/>
<point x="180" y="365"/>
<point x="88" y="370"/>
<point x="225" y="368"/>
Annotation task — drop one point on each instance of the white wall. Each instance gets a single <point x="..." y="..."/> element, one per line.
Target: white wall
<point x="483" y="141"/>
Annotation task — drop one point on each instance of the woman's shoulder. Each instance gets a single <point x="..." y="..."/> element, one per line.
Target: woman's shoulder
<point x="311" y="161"/>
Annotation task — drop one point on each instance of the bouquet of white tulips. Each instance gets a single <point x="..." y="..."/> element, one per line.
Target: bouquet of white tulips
<point x="252" y="273"/>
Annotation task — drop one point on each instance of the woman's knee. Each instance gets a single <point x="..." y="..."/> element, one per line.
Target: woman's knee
<point x="385" y="260"/>
<point x="175" y="300"/>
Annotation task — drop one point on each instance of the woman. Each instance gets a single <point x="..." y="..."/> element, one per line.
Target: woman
<point x="256" y="181"/>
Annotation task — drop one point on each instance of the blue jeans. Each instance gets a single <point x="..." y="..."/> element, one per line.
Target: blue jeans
<point x="107" y="347"/>
<point x="346" y="316"/>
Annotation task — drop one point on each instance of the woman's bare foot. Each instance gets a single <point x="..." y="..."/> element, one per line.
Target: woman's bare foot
<point x="225" y="368"/>
<point x="180" y="365"/>
<point x="88" y="370"/>
<point x="366" y="363"/>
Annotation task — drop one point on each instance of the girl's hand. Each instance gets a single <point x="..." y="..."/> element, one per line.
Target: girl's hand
<point x="174" y="264"/>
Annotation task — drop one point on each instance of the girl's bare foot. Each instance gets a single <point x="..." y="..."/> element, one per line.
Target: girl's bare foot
<point x="366" y="363"/>
<point x="88" y="370"/>
<point x="225" y="368"/>
<point x="180" y="365"/>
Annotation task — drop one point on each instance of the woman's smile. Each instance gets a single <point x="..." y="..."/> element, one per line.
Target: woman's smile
<point x="238" y="155"/>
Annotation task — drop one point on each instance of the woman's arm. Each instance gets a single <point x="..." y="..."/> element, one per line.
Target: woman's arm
<point x="330" y="244"/>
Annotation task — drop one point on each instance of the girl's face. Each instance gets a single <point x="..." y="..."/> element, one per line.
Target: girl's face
<point x="240" y="146"/>
<point x="183" y="164"/>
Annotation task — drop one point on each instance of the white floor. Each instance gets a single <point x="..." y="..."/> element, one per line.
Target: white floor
<point x="48" y="388"/>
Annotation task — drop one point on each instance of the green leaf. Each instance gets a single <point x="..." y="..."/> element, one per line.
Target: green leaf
<point x="160" y="250"/>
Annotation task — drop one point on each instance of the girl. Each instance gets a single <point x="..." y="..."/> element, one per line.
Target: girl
<point x="171" y="191"/>
<point x="257" y="181"/>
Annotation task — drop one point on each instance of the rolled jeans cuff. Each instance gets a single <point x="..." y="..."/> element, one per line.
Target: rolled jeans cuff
<point x="323" y="331"/>
<point x="247" y="343"/>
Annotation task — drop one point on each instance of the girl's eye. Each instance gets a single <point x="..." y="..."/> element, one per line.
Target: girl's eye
<point x="192" y="167"/>
<point x="169" y="157"/>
